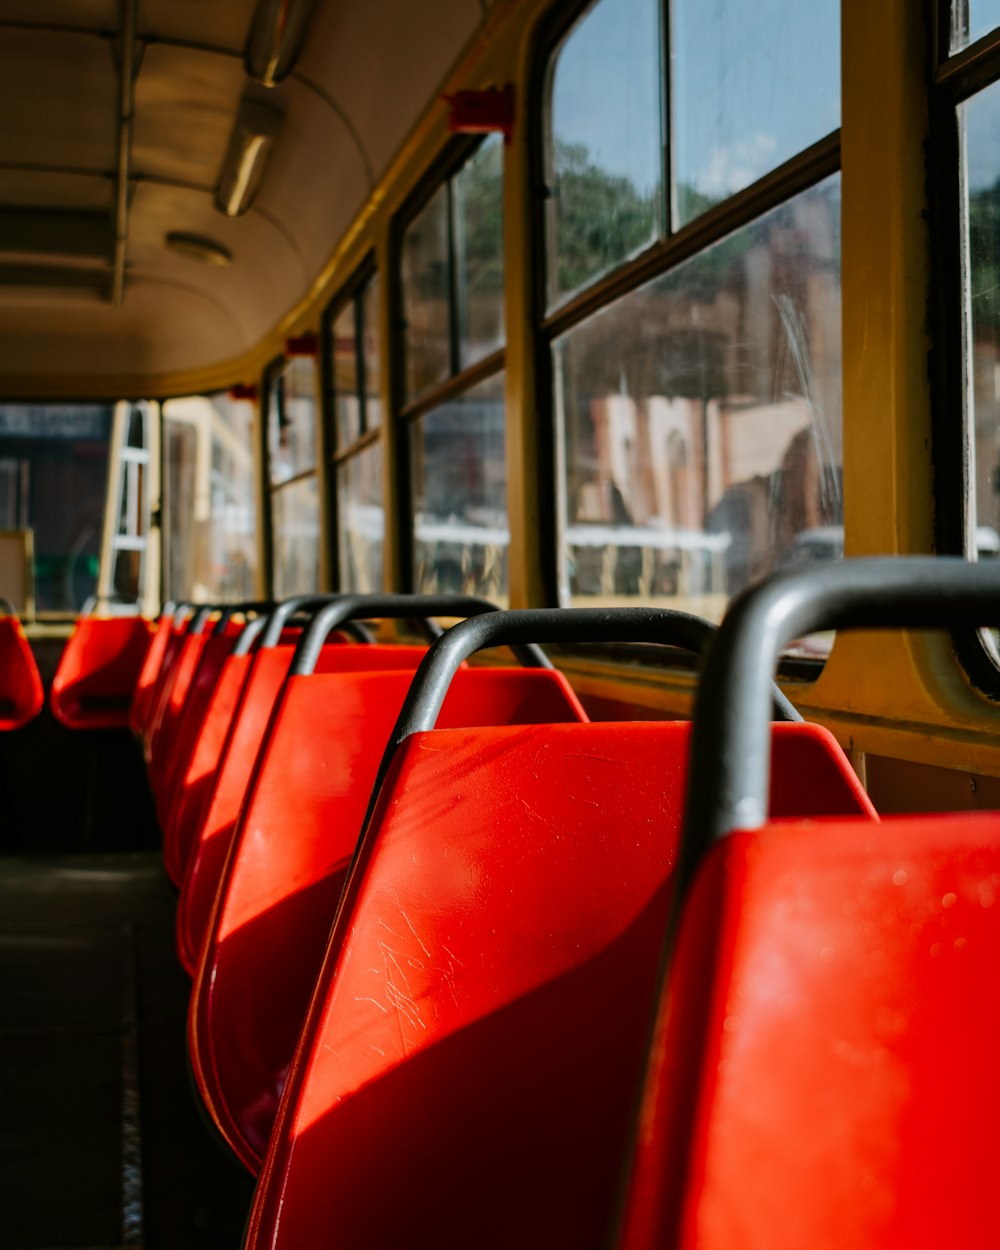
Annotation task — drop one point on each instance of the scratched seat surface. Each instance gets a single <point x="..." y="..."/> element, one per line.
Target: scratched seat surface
<point x="98" y="671"/>
<point x="843" y="1084"/>
<point x="208" y="841"/>
<point x="21" y="693"/>
<point x="294" y="843"/>
<point x="467" y="1071"/>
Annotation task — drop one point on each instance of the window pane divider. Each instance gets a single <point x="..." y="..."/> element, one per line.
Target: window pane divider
<point x="366" y="440"/>
<point x="804" y="170"/>
<point x="456" y="386"/>
<point x="291" y="481"/>
<point x="963" y="74"/>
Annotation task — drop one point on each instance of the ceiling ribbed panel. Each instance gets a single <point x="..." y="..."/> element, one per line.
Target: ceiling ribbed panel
<point x="185" y="102"/>
<point x="368" y="70"/>
<point x="57" y="101"/>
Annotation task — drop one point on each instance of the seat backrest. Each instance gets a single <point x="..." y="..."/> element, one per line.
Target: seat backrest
<point x="21" y="693"/>
<point x="475" y="1041"/>
<point x="95" y="682"/>
<point x="177" y="636"/>
<point x="145" y="687"/>
<point x="294" y="842"/>
<point x="231" y="781"/>
<point x="826" y="1068"/>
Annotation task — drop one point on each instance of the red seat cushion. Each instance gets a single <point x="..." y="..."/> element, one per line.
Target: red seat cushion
<point x="294" y="842"/>
<point x="467" y="1072"/>
<point x="825" y="1071"/>
<point x="98" y="671"/>
<point x="21" y="693"/>
<point x="210" y="840"/>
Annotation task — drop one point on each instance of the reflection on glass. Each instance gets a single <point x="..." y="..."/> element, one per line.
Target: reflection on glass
<point x="700" y="419"/>
<point x="53" y="471"/>
<point x="982" y="128"/>
<point x="460" y="494"/>
<point x="971" y="20"/>
<point x="347" y="407"/>
<point x="209" y="536"/>
<point x="373" y="362"/>
<point x="478" y="196"/>
<point x="291" y="420"/>
<point x="295" y="524"/>
<point x="426" y="296"/>
<point x="361" y="521"/>
<point x="753" y="84"/>
<point x="605" y="168"/>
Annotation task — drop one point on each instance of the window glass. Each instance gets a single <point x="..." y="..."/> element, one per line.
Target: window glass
<point x="427" y="296"/>
<point x="291" y="420"/>
<point x="210" y="551"/>
<point x="361" y="525"/>
<point x="295" y="521"/>
<point x="373" y="354"/>
<point x="53" y="477"/>
<point x="753" y="83"/>
<point x="605" y="159"/>
<point x="971" y="20"/>
<point x="347" y="406"/>
<point x="478" y="196"/>
<point x="982" y="128"/>
<point x="700" y="419"/>
<point x="460" y="494"/>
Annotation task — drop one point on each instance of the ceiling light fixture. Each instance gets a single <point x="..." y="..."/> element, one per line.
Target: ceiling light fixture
<point x="256" y="126"/>
<point x="275" y="39"/>
<point x="198" y="247"/>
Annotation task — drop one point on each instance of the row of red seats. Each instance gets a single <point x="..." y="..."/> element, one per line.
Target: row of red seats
<point x="529" y="893"/>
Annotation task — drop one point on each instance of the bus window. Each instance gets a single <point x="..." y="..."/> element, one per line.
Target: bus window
<point x="53" y="471"/>
<point x="210" y="515"/>
<point x="353" y="348"/>
<point x="452" y="296"/>
<point x="294" y="493"/>
<point x="971" y="20"/>
<point x="697" y="386"/>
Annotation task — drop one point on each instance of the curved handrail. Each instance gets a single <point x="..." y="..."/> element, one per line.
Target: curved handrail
<point x="730" y="750"/>
<point x="398" y="606"/>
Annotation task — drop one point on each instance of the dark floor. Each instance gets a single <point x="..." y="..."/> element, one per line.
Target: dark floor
<point x="101" y="1142"/>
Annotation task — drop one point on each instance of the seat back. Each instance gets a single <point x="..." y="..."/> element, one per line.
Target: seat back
<point x="96" y="679"/>
<point x="479" y="1024"/>
<point x="294" y="841"/>
<point x="21" y="693"/>
<point x="821" y="1071"/>
<point x="213" y="654"/>
<point x="843" y="1086"/>
<point x="225" y="794"/>
<point x="145" y="686"/>
<point x="179" y="631"/>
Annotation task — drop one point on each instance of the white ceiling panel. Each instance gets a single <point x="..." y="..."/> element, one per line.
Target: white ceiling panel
<point x="89" y="14"/>
<point x="185" y="102"/>
<point x="383" y="62"/>
<point x="29" y="189"/>
<point x="211" y="23"/>
<point x="57" y="100"/>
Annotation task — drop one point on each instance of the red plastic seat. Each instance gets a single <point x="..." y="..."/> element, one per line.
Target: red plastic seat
<point x="467" y="1071"/>
<point x="145" y="686"/>
<point x="209" y="841"/>
<point x="289" y="858"/>
<point x="177" y="634"/>
<point x="96" y="679"/>
<point x="21" y="693"/>
<point x="844" y="1089"/>
<point x="190" y="700"/>
<point x="823" y="1067"/>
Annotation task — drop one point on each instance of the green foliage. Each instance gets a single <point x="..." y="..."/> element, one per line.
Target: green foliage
<point x="602" y="218"/>
<point x="984" y="262"/>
